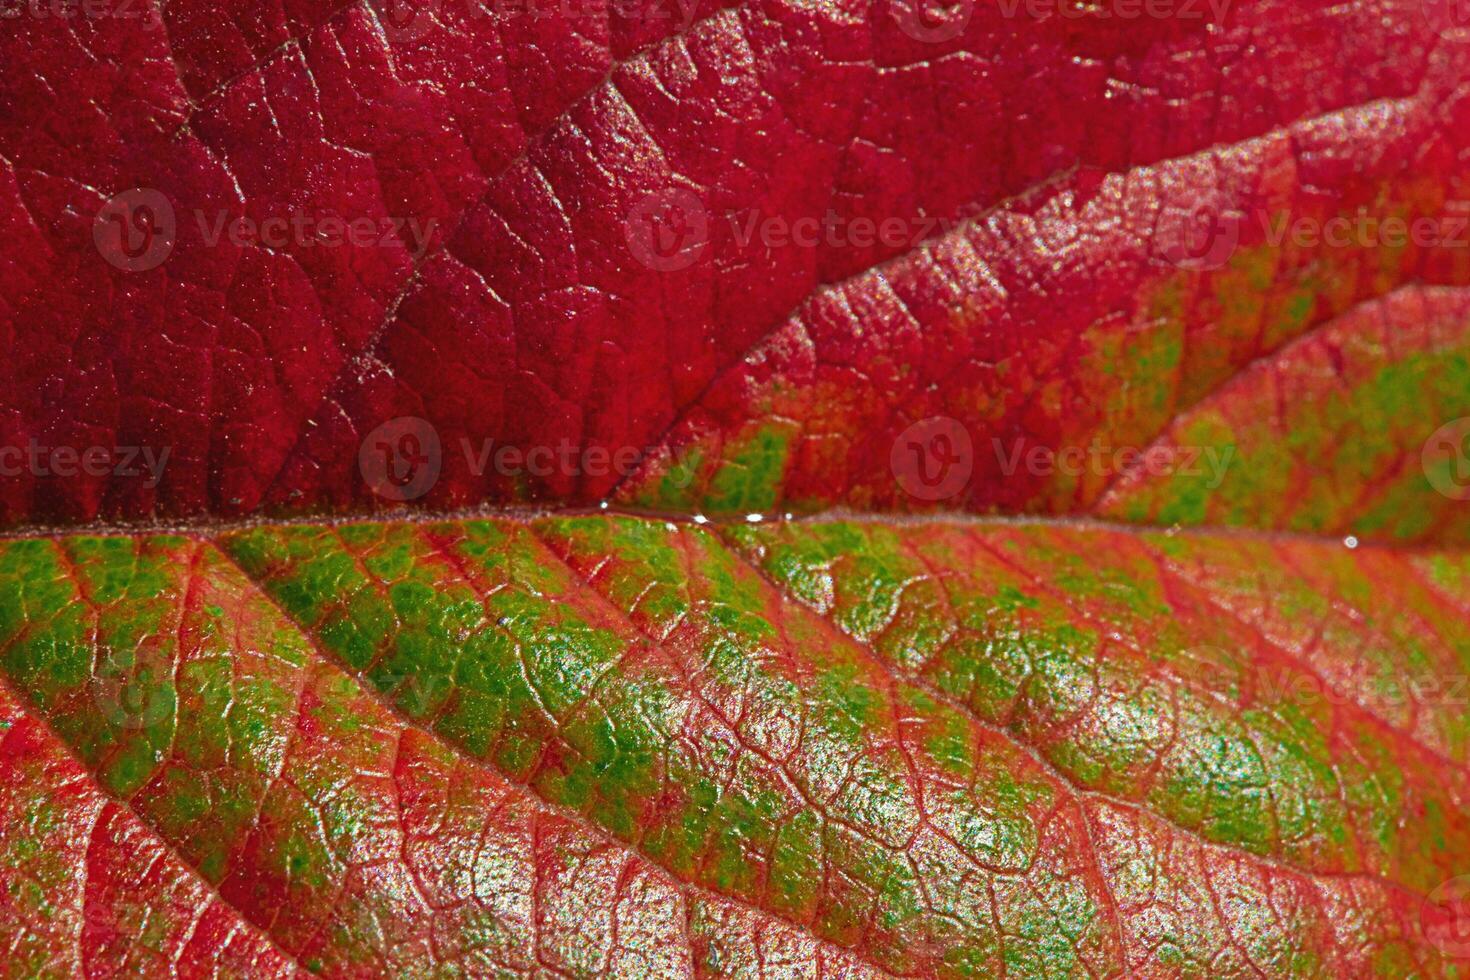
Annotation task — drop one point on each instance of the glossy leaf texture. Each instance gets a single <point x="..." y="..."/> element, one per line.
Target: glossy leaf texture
<point x="266" y="710"/>
<point x="1037" y="173"/>
<point x="616" y="746"/>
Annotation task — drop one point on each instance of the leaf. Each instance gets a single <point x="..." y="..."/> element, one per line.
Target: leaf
<point x="1037" y="174"/>
<point x="620" y="746"/>
<point x="300" y="298"/>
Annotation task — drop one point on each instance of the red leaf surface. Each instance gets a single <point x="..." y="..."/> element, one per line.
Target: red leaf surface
<point x="1035" y="283"/>
<point x="303" y="300"/>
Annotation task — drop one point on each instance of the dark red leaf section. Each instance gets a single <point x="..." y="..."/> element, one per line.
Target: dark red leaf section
<point x="499" y="157"/>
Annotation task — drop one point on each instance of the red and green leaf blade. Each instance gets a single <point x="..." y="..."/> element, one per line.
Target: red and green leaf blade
<point x="928" y="749"/>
